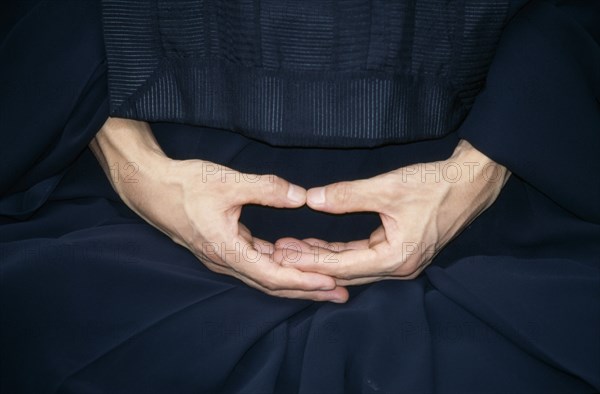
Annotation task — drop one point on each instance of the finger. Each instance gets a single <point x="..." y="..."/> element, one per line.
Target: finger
<point x="338" y="246"/>
<point x="290" y="249"/>
<point x="270" y="190"/>
<point x="354" y="266"/>
<point x="379" y="235"/>
<point x="338" y="295"/>
<point x="360" y="281"/>
<point x="270" y="275"/>
<point x="346" y="264"/>
<point x="260" y="245"/>
<point x="264" y="247"/>
<point x="290" y="243"/>
<point x="371" y="279"/>
<point x="244" y="232"/>
<point x="364" y="195"/>
<point x="294" y="243"/>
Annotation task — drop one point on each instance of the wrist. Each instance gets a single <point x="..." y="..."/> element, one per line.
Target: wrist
<point x="481" y="169"/>
<point x="129" y="155"/>
<point x="126" y="139"/>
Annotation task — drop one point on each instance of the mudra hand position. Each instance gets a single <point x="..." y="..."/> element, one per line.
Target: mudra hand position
<point x="422" y="207"/>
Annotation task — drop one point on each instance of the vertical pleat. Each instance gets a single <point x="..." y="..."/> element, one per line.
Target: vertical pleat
<point x="311" y="73"/>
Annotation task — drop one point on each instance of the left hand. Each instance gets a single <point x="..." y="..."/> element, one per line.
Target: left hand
<point x="422" y="207"/>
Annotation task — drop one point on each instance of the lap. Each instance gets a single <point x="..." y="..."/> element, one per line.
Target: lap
<point x="101" y="301"/>
<point x="120" y="308"/>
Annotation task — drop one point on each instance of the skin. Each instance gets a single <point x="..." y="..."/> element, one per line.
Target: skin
<point x="198" y="205"/>
<point x="422" y="208"/>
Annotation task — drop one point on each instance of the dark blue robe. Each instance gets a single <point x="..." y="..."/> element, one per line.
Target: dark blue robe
<point x="94" y="300"/>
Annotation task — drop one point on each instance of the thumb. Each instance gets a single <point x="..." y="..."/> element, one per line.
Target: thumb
<point x="363" y="195"/>
<point x="270" y="190"/>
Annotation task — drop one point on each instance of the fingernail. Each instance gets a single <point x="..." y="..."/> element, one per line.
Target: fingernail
<point x="317" y="196"/>
<point x="295" y="194"/>
<point x="338" y="300"/>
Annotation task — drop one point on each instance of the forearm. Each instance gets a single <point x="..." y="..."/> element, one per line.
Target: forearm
<point x="122" y="143"/>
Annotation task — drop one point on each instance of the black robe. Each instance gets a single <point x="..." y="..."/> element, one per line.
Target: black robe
<point x="94" y="300"/>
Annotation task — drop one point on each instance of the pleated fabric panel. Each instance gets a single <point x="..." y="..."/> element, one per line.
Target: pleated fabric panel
<point x="346" y="73"/>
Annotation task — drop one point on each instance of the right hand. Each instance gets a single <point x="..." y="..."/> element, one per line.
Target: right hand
<point x="198" y="205"/>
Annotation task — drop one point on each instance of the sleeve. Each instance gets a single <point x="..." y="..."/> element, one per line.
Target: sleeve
<point x="539" y="113"/>
<point x="53" y="100"/>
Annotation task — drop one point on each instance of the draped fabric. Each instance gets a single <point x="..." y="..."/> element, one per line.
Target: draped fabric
<point x="94" y="300"/>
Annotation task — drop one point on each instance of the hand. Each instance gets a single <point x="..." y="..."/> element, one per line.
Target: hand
<point x="422" y="207"/>
<point x="198" y="205"/>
